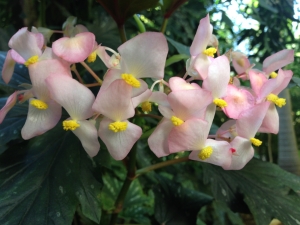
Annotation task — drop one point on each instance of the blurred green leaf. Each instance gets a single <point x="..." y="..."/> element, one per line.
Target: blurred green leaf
<point x="169" y="6"/>
<point x="44" y="181"/>
<point x="175" y="59"/>
<point x="296" y="80"/>
<point x="177" y="205"/>
<point x="182" y="49"/>
<point x="266" y="189"/>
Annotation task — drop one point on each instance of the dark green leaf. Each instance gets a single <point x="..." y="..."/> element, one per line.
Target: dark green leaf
<point x="177" y="205"/>
<point x="175" y="59"/>
<point x="182" y="49"/>
<point x="44" y="181"/>
<point x="267" y="190"/>
<point x="296" y="80"/>
<point x="169" y="6"/>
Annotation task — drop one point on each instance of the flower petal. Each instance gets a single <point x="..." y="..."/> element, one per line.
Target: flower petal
<point x="278" y="60"/>
<point x="73" y="96"/>
<point x="120" y="143"/>
<point x="10" y="102"/>
<point x="8" y="67"/>
<point x="88" y="135"/>
<point x="178" y="84"/>
<point x="270" y="123"/>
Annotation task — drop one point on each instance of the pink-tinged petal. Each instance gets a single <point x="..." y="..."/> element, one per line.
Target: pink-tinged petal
<point x="210" y="113"/>
<point x="80" y="29"/>
<point x="158" y="140"/>
<point x="139" y="90"/>
<point x="191" y="135"/>
<point x="109" y="77"/>
<point x="47" y="33"/>
<point x="238" y="100"/>
<point x="10" y="102"/>
<point x="200" y="64"/>
<point x="270" y="123"/>
<point x="243" y="153"/>
<point x="75" y="49"/>
<point x="189" y="103"/>
<point x="25" y="43"/>
<point x="39" y="38"/>
<point x="17" y="57"/>
<point x="40" y="121"/>
<point x="8" y="67"/>
<point x="88" y="135"/>
<point x="115" y="101"/>
<point x="104" y="56"/>
<point x="284" y="83"/>
<point x="271" y="85"/>
<point x="40" y="70"/>
<point x="73" y="96"/>
<point x="227" y="131"/>
<point x="178" y="84"/>
<point x="218" y="77"/>
<point x="250" y="120"/>
<point x="278" y="60"/>
<point x="141" y="98"/>
<point x="240" y="62"/>
<point x="257" y="80"/>
<point x="144" y="55"/>
<point x="120" y="143"/>
<point x="202" y="36"/>
<point x="160" y="98"/>
<point x="221" y="155"/>
<point x="167" y="112"/>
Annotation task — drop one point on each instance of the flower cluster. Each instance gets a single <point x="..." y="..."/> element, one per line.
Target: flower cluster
<point x="188" y="110"/>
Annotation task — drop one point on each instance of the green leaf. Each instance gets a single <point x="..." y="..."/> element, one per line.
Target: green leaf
<point x="121" y="10"/>
<point x="296" y="80"/>
<point x="44" y="181"/>
<point x="175" y="59"/>
<point x="169" y="6"/>
<point x="268" y="191"/>
<point x="177" y="205"/>
<point x="182" y="49"/>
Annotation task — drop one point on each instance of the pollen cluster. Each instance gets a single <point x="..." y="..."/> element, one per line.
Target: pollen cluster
<point x="146" y="106"/>
<point x="205" y="153"/>
<point x="176" y="121"/>
<point x="210" y="51"/>
<point x="118" y="126"/>
<point x="70" y="125"/>
<point x="277" y="101"/>
<point x="220" y="102"/>
<point x="92" y="57"/>
<point x="39" y="104"/>
<point x="131" y="80"/>
<point x="31" y="60"/>
<point x="255" y="141"/>
<point x="273" y="75"/>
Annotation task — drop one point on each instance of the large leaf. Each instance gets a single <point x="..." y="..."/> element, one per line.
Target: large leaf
<point x="182" y="49"/>
<point x="169" y="6"/>
<point x="44" y="181"/>
<point x="177" y="205"/>
<point x="121" y="10"/>
<point x="267" y="190"/>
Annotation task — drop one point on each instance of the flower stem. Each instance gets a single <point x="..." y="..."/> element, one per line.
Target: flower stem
<point x="122" y="33"/>
<point x="130" y="177"/>
<point x="91" y="72"/>
<point x="92" y="85"/>
<point x="73" y="68"/>
<point x="160" y="165"/>
<point x="164" y="25"/>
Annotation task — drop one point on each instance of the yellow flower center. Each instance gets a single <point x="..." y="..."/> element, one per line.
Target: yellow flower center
<point x="176" y="121"/>
<point x="273" y="75"/>
<point x="31" y="60"/>
<point x="277" y="101"/>
<point x="205" y="153"/>
<point x="255" y="141"/>
<point x="92" y="57"/>
<point x="210" y="51"/>
<point x="131" y="80"/>
<point x="220" y="102"/>
<point x="146" y="106"/>
<point x="39" y="104"/>
<point x="70" y="125"/>
<point x="117" y="126"/>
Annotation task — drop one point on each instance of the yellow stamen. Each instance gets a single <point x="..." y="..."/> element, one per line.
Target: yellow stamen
<point x="273" y="75"/>
<point x="210" y="51"/>
<point x="70" y="125"/>
<point x="205" y="153"/>
<point x="39" y="104"/>
<point x="92" y="57"/>
<point x="231" y="80"/>
<point x="176" y="121"/>
<point x="220" y="102"/>
<point x="277" y="101"/>
<point x="31" y="60"/>
<point x="117" y="126"/>
<point x="146" y="106"/>
<point x="255" y="141"/>
<point x="131" y="80"/>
